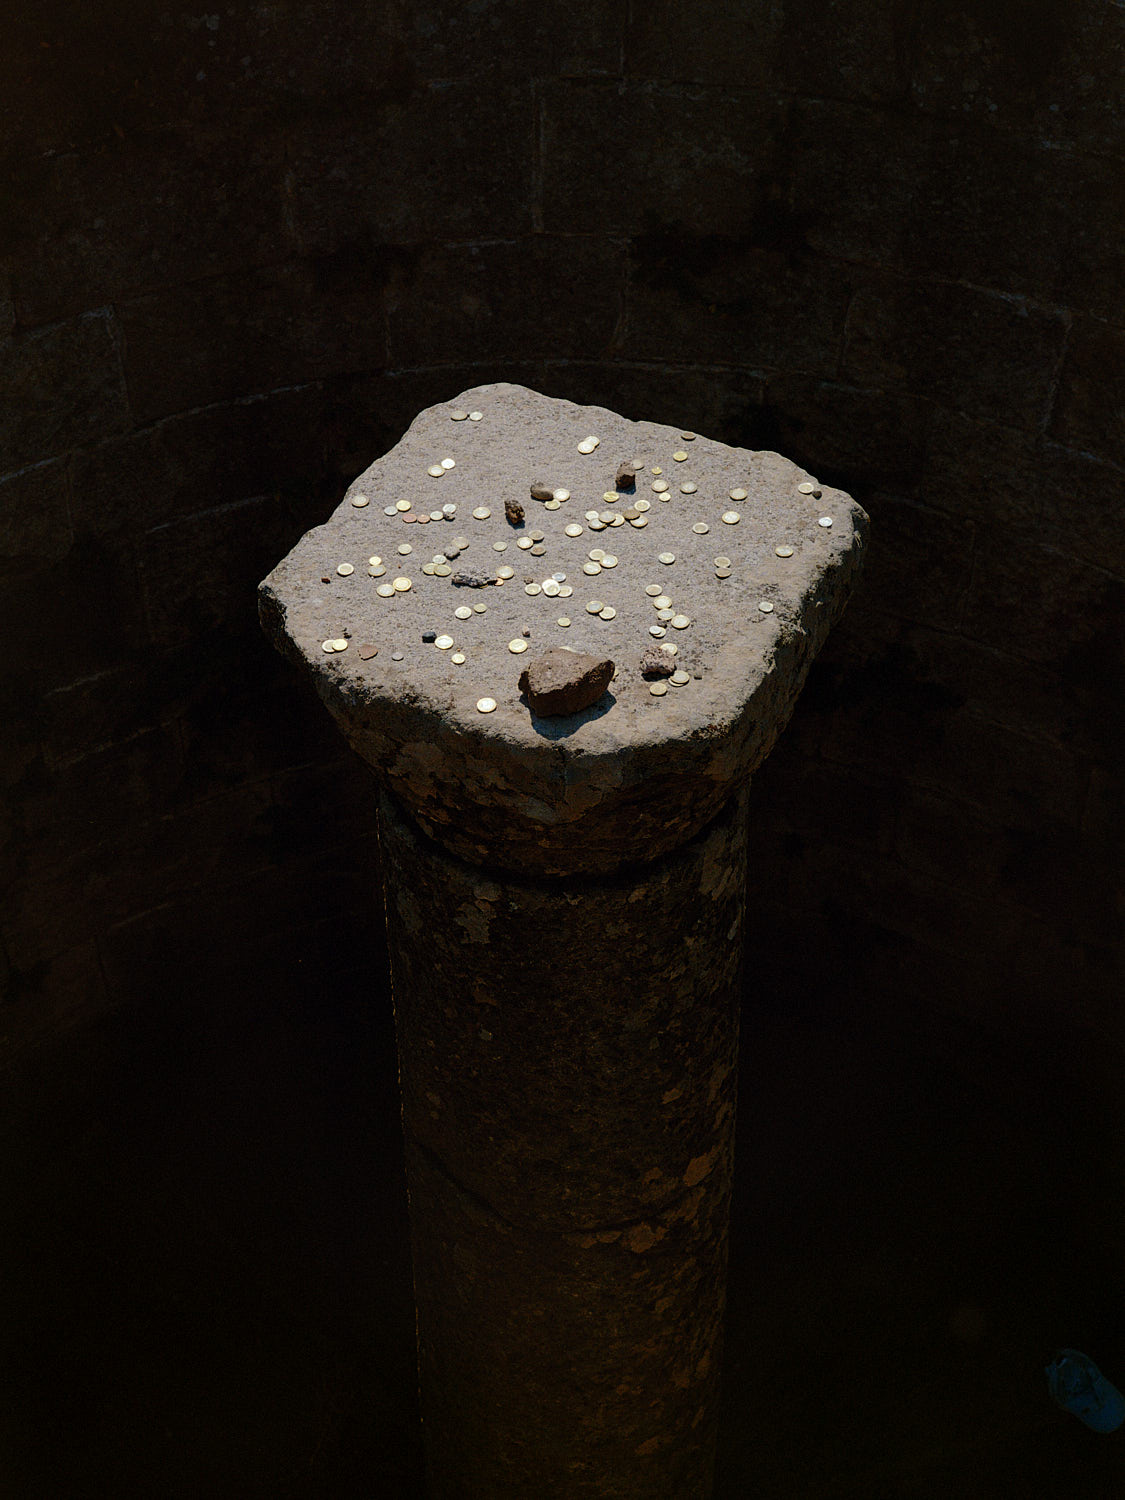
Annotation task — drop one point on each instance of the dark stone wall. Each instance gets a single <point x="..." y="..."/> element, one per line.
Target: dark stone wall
<point x="239" y="250"/>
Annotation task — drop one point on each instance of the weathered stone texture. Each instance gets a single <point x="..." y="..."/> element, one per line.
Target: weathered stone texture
<point x="568" y="1061"/>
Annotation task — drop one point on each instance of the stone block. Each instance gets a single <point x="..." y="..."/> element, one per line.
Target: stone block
<point x="1034" y="70"/>
<point x="919" y="562"/>
<point x="240" y="335"/>
<point x="724" y="297"/>
<point x="60" y="387"/>
<point x="862" y="52"/>
<point x="35" y="514"/>
<point x="189" y="463"/>
<point x="955" y="345"/>
<point x="452" y="739"/>
<point x="721" y="401"/>
<point x="983" y="470"/>
<point x="90" y="227"/>
<point x="683" y="152"/>
<point x="731" y="45"/>
<point x="1034" y="601"/>
<point x="449" y="161"/>
<point x="69" y="619"/>
<point x="1083" y="507"/>
<point x="503" y="38"/>
<point x="1089" y="410"/>
<point x="198" y="573"/>
<point x="875" y="437"/>
<point x="850" y="179"/>
<point x="944" y="840"/>
<point x="50" y="999"/>
<point x="961" y="225"/>
<point x="543" y="294"/>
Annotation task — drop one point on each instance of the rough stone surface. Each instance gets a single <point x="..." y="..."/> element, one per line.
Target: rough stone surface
<point x="657" y="662"/>
<point x="621" y="780"/>
<point x="564" y="681"/>
<point x="568" y="1062"/>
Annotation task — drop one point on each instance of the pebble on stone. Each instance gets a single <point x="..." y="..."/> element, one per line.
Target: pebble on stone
<point x="561" y="681"/>
<point x="542" y="492"/>
<point x="366" y="652"/>
<point x="626" y="477"/>
<point x="513" y="510"/>
<point x="473" y="579"/>
<point x="656" y="663"/>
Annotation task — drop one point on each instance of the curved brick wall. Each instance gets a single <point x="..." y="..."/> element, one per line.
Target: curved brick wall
<point x="242" y="249"/>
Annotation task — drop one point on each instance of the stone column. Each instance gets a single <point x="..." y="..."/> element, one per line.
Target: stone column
<point x="563" y="840"/>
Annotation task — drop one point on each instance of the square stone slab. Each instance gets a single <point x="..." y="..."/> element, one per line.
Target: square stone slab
<point x="753" y="597"/>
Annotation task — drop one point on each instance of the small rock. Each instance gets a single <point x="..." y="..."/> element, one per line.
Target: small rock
<point x="656" y="663"/>
<point x="429" y="636"/>
<point x="514" y="512"/>
<point x="366" y="652"/>
<point x="626" y="477"/>
<point x="541" y="491"/>
<point x="562" y="681"/>
<point x="470" y="578"/>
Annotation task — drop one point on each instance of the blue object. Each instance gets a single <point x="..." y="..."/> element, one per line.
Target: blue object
<point x="1078" y="1386"/>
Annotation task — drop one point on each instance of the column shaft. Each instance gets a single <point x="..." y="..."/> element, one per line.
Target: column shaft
<point x="568" y="1069"/>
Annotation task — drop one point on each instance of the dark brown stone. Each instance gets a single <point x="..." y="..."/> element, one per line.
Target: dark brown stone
<point x="541" y="492"/>
<point x="472" y="578"/>
<point x="513" y="510"/>
<point x="562" y="681"/>
<point x="625" y="478"/>
<point x="657" y="663"/>
<point x="367" y="652"/>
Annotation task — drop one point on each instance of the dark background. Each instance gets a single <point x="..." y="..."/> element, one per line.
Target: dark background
<point x="239" y="250"/>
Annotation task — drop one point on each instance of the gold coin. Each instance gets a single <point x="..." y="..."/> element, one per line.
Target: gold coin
<point x="429" y="569"/>
<point x="499" y="546"/>
<point x="701" y="528"/>
<point x="516" y="646"/>
<point x="475" y="416"/>
<point x="608" y="560"/>
<point x="587" y="445"/>
<point x="825" y="521"/>
<point x="656" y="470"/>
<point x="737" y="494"/>
<point x="404" y="549"/>
<point x="608" y="613"/>
<point x="639" y="524"/>
<point x="479" y="609"/>
<point x="551" y="588"/>
<point x="359" y="501"/>
<point x="463" y="613"/>
<point x="731" y="517"/>
<point x="458" y="657"/>
<point x="376" y="572"/>
<point x="458" y="416"/>
<point x="722" y="562"/>
<point x="657" y="630"/>
<point x="660" y="486"/>
<point x="442" y="570"/>
<point x="805" y="488"/>
<point x="505" y="572"/>
<point x="402" y="505"/>
<point x="486" y="705"/>
<point x="679" y="456"/>
<point x="783" y="551"/>
<point x="679" y="677"/>
<point x="385" y="590"/>
<point x="444" y="642"/>
<point x="596" y="554"/>
<point x="563" y="621"/>
<point x="688" y="489"/>
<point x="551" y="504"/>
<point x="653" y="589"/>
<point x="667" y="557"/>
<point x="573" y="529"/>
<point x="481" y="513"/>
<point x="594" y="607"/>
<point x="373" y="562"/>
<point x="344" y="569"/>
<point x="436" y="470"/>
<point x="401" y="585"/>
<point x="765" y="606"/>
<point x="688" y="437"/>
<point x="565" y="591"/>
<point x="666" y="614"/>
<point x="642" y="505"/>
<point x="591" y="569"/>
<point x="560" y="494"/>
<point x="611" y="495"/>
<point x="532" y="588"/>
<point x="524" y="542"/>
<point x="448" y="463"/>
<point x="658" y="689"/>
<point x="661" y="601"/>
<point x="680" y="622"/>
